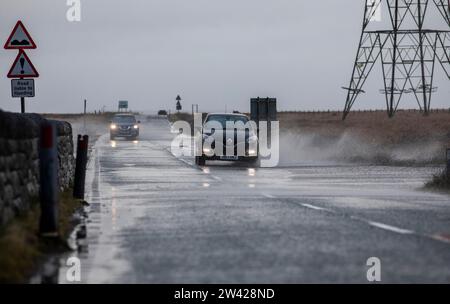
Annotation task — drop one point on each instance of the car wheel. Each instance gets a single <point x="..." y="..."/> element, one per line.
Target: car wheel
<point x="256" y="162"/>
<point x="200" y="160"/>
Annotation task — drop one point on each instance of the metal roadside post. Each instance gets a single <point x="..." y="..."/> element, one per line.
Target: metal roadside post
<point x="448" y="163"/>
<point x="48" y="164"/>
<point x="84" y="115"/>
<point x="81" y="164"/>
<point x="194" y="109"/>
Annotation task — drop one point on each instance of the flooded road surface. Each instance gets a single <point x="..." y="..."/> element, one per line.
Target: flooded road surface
<point x="158" y="219"/>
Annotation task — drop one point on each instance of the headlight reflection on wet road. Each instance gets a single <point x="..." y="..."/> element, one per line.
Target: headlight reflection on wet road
<point x="251" y="172"/>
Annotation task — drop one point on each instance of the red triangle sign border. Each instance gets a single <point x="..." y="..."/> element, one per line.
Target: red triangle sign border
<point x="35" y="72"/>
<point x="20" y="47"/>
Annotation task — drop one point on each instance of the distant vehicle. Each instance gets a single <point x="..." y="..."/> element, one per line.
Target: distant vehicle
<point x="162" y="113"/>
<point x="124" y="125"/>
<point x="241" y="140"/>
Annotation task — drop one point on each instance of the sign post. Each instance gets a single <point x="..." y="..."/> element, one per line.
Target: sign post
<point x="21" y="88"/>
<point x="194" y="109"/>
<point x="22" y="67"/>
<point x="22" y="105"/>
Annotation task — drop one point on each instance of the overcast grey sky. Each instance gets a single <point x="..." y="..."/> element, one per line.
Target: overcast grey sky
<point x="211" y="52"/>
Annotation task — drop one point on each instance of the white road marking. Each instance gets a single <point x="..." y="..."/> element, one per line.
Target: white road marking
<point x="191" y="164"/>
<point x="216" y="178"/>
<point x="390" y="228"/>
<point x="314" y="207"/>
<point x="186" y="162"/>
<point x="371" y="223"/>
<point x="440" y="238"/>
<point x="435" y="237"/>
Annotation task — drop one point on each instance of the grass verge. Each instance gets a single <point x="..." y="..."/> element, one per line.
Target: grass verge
<point x="21" y="247"/>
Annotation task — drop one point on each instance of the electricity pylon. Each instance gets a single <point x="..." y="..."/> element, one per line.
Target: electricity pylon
<point x="407" y="50"/>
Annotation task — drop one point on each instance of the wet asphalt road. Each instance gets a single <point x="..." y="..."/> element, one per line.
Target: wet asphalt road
<point x="158" y="219"/>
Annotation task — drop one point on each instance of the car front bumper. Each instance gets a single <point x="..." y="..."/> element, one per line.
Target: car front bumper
<point x="231" y="158"/>
<point x="125" y="133"/>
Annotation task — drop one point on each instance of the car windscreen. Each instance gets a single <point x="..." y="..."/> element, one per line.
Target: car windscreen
<point x="223" y="119"/>
<point x="124" y="119"/>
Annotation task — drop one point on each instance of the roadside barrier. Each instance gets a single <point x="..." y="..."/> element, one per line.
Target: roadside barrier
<point x="448" y="163"/>
<point x="80" y="168"/>
<point x="48" y="168"/>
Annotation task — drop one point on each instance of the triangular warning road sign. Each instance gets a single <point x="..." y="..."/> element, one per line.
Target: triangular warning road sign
<point x="22" y="67"/>
<point x="20" y="38"/>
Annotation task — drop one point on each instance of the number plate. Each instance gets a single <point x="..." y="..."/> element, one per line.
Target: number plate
<point x="229" y="158"/>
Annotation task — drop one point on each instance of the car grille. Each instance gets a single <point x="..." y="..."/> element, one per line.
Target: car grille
<point x="230" y="141"/>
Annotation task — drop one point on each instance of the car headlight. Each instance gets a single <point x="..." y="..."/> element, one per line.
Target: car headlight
<point x="113" y="126"/>
<point x="252" y="139"/>
<point x="136" y="126"/>
<point x="252" y="152"/>
<point x="208" y="151"/>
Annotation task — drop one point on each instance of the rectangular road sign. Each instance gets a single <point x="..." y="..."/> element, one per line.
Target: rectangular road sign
<point x="263" y="109"/>
<point x="123" y="104"/>
<point x="22" y="88"/>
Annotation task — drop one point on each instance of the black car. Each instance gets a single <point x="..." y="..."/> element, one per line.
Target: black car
<point x="220" y="142"/>
<point x="124" y="125"/>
